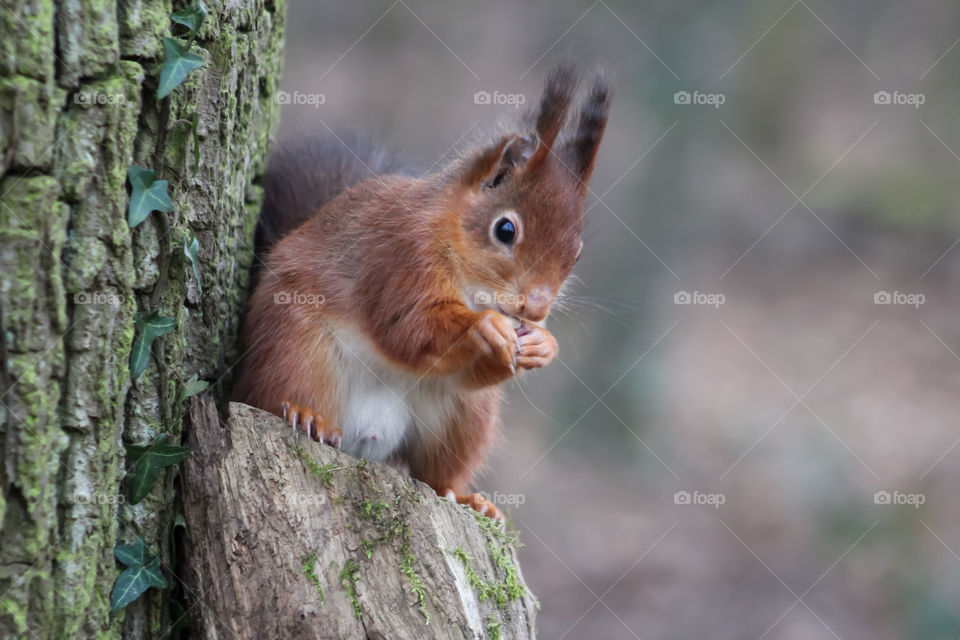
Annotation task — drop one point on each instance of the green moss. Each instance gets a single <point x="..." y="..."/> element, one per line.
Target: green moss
<point x="33" y="49"/>
<point x="348" y="580"/>
<point x="33" y="106"/>
<point x="493" y="628"/>
<point x="325" y="472"/>
<point x="79" y="573"/>
<point x="501" y="592"/>
<point x="368" y="546"/>
<point x="322" y="471"/>
<point x="511" y="587"/>
<point x="88" y="46"/>
<point x="17" y="611"/>
<point x="495" y="530"/>
<point x="29" y="202"/>
<point x="406" y="566"/>
<point x="141" y="27"/>
<point x="500" y="541"/>
<point x="309" y="562"/>
<point x="374" y="510"/>
<point x="472" y="577"/>
<point x="223" y="51"/>
<point x="388" y="524"/>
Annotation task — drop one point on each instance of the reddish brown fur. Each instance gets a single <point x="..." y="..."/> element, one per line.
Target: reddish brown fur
<point x="391" y="258"/>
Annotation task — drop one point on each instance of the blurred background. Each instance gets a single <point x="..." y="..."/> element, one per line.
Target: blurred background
<point x="752" y="427"/>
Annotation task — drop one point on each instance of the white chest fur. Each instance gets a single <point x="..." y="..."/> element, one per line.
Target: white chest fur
<point x="383" y="407"/>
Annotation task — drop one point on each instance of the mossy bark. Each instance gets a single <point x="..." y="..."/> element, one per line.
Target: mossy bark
<point x="78" y="106"/>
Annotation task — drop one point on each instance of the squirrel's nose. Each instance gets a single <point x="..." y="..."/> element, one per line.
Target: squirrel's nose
<point x="536" y="304"/>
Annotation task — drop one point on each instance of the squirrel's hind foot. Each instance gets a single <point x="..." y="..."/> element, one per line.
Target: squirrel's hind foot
<point x="305" y="419"/>
<point x="478" y="503"/>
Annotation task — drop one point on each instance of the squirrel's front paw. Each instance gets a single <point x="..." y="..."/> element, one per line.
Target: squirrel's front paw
<point x="538" y="348"/>
<point x="497" y="339"/>
<point x="311" y="423"/>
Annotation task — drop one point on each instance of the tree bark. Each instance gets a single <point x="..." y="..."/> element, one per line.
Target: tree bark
<point x="293" y="539"/>
<point x="78" y="106"/>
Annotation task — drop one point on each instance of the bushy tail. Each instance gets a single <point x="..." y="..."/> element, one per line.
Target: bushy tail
<point x="304" y="175"/>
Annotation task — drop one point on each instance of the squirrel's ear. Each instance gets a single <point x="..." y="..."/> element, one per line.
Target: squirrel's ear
<point x="498" y="162"/>
<point x="581" y="149"/>
<point x="552" y="112"/>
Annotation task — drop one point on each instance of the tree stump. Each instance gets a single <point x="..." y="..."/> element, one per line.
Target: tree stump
<point x="288" y="538"/>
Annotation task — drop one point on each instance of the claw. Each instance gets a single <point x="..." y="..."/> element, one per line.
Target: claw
<point x="303" y="418"/>
<point x="308" y="421"/>
<point x="291" y="413"/>
<point x="333" y="438"/>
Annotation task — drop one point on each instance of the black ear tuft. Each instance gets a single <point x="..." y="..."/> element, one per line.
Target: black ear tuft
<point x="552" y="113"/>
<point x="581" y="149"/>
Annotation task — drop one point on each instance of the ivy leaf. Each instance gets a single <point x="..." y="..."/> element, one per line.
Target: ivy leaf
<point x="148" y="327"/>
<point x="132" y="555"/>
<point x="179" y="62"/>
<point x="131" y="584"/>
<point x="142" y="572"/>
<point x="146" y="463"/>
<point x="190" y="248"/>
<point x="191" y="17"/>
<point x="194" y="386"/>
<point x="147" y="195"/>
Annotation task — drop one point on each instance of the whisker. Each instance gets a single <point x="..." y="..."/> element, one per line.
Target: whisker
<point x="571" y="303"/>
<point x="519" y="386"/>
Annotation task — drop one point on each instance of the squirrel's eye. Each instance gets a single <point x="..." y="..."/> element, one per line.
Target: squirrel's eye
<point x="505" y="231"/>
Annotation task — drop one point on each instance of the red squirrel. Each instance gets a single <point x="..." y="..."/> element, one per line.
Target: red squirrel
<point x="387" y="321"/>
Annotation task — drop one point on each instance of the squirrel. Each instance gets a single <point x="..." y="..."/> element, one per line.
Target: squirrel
<point x="389" y="309"/>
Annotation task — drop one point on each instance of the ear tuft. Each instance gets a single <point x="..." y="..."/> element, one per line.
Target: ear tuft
<point x="581" y="149"/>
<point x="552" y="113"/>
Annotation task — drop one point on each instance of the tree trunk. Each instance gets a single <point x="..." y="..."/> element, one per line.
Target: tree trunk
<point x="78" y="106"/>
<point x="293" y="539"/>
